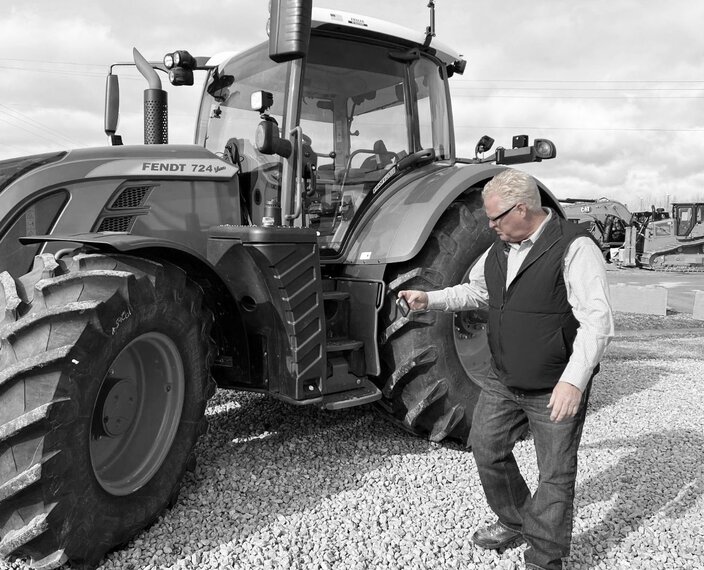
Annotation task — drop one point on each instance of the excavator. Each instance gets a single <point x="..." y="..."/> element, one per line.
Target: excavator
<point x="654" y="239"/>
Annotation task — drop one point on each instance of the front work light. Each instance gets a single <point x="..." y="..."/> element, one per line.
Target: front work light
<point x="544" y="149"/>
<point x="260" y="101"/>
<point x="180" y="65"/>
<point x="541" y="149"/>
<point x="180" y="76"/>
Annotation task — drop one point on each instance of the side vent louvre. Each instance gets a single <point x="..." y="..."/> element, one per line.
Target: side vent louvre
<point x="132" y="197"/>
<point x="116" y="224"/>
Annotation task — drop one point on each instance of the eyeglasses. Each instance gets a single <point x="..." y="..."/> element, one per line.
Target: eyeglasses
<point x="496" y="219"/>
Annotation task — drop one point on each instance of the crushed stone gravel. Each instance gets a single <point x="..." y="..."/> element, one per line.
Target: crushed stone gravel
<point x="284" y="487"/>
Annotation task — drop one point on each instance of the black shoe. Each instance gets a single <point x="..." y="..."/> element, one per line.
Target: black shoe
<point x="495" y="536"/>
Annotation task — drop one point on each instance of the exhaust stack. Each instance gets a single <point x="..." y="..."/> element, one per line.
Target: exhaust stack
<point x="156" y="108"/>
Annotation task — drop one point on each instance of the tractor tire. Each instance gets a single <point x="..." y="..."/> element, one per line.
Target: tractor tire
<point x="104" y="378"/>
<point x="433" y="362"/>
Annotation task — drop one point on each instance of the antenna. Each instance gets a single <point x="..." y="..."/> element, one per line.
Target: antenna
<point x="430" y="30"/>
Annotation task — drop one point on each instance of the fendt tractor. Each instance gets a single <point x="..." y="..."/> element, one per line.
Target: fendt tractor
<point x="265" y="257"/>
<point x="654" y="239"/>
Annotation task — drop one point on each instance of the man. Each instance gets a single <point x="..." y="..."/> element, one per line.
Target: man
<point x="544" y="283"/>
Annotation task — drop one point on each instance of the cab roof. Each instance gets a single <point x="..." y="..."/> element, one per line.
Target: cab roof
<point x="324" y="18"/>
<point x="338" y="20"/>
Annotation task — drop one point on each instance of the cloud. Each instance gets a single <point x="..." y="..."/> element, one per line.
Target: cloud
<point x="617" y="85"/>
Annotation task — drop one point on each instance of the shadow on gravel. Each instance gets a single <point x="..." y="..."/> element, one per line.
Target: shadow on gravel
<point x="641" y="363"/>
<point x="659" y="475"/>
<point x="263" y="458"/>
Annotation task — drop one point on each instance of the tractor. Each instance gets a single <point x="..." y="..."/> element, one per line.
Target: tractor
<point x="265" y="257"/>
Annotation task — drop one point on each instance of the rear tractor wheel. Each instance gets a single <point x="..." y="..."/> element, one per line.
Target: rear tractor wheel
<point x="104" y="378"/>
<point x="433" y="361"/>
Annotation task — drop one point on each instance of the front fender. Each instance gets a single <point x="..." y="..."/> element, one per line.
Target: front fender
<point x="398" y="224"/>
<point x="118" y="241"/>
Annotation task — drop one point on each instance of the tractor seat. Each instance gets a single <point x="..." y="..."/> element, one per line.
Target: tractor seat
<point x="380" y="159"/>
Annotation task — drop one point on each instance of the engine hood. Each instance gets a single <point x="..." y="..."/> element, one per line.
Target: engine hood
<point x="134" y="161"/>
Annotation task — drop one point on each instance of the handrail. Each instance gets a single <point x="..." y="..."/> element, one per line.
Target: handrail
<point x="297" y="131"/>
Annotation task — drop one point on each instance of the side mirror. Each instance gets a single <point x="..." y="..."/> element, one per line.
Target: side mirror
<point x="112" y="104"/>
<point x="289" y="29"/>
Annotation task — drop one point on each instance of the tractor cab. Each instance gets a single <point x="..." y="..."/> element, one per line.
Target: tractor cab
<point x="371" y="108"/>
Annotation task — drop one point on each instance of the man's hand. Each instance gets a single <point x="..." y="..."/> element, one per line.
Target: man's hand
<point x="564" y="401"/>
<point x="417" y="300"/>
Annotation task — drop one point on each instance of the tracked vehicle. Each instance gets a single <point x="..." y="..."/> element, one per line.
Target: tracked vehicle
<point x="265" y="257"/>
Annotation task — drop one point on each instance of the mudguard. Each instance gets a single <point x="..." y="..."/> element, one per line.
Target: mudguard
<point x="270" y="336"/>
<point x="398" y="223"/>
<point x="233" y="366"/>
<point x="118" y="241"/>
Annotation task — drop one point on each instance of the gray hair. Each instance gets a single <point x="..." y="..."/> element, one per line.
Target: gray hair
<point x="514" y="187"/>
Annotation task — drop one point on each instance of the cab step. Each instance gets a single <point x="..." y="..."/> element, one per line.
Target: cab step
<point x="365" y="393"/>
<point x="343" y="344"/>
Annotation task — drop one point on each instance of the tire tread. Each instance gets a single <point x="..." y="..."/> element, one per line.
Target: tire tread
<point x="424" y="385"/>
<point x="60" y="301"/>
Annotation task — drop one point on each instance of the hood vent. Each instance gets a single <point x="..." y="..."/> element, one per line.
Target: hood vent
<point x="131" y="197"/>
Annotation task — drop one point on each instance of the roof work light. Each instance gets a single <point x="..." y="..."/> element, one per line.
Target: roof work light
<point x="180" y="65"/>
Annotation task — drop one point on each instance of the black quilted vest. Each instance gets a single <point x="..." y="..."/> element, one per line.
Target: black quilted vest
<point x="531" y="327"/>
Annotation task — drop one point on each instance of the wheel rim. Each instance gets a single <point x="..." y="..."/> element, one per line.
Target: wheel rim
<point x="469" y="335"/>
<point x="137" y="413"/>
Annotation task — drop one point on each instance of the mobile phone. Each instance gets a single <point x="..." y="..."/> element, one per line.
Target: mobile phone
<point x="403" y="306"/>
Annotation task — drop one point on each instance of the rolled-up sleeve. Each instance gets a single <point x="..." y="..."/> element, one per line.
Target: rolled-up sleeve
<point x="588" y="294"/>
<point x="465" y="296"/>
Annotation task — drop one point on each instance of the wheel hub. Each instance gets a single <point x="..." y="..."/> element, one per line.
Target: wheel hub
<point x="468" y="324"/>
<point x="469" y="336"/>
<point x="119" y="406"/>
<point x="137" y="413"/>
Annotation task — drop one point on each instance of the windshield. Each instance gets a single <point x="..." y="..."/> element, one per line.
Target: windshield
<point x="226" y="115"/>
<point x="364" y="106"/>
<point x="684" y="216"/>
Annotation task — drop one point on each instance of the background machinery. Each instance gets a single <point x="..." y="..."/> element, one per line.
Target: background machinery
<point x="606" y="219"/>
<point x="267" y="257"/>
<point x="653" y="239"/>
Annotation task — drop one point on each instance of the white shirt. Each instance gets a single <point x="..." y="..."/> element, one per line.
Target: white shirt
<point x="587" y="293"/>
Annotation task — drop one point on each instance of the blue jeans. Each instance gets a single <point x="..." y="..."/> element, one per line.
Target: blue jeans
<point x="545" y="518"/>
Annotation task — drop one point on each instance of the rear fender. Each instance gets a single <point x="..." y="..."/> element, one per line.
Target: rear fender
<point x="398" y="224"/>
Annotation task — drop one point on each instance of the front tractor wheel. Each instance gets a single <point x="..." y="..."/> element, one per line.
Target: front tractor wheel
<point x="432" y="361"/>
<point x="104" y="378"/>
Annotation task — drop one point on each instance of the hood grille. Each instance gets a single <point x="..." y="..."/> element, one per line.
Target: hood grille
<point x="131" y="197"/>
<point x="116" y="224"/>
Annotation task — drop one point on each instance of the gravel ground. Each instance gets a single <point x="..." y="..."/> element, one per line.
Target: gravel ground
<point x="281" y="487"/>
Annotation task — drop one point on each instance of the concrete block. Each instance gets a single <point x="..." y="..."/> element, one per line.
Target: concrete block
<point x="698" y="312"/>
<point x="645" y="299"/>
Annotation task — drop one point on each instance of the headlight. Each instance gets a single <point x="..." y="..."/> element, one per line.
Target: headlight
<point x="544" y="148"/>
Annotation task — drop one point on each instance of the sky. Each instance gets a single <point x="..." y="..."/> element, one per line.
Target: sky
<point x="618" y="85"/>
